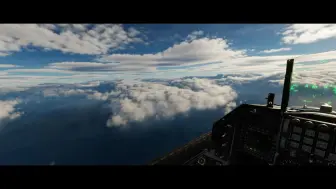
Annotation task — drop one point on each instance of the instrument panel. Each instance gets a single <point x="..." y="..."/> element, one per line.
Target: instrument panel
<point x="306" y="141"/>
<point x="259" y="132"/>
<point x="249" y="129"/>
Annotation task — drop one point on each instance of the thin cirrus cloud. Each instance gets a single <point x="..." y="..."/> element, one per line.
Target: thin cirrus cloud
<point x="276" y="50"/>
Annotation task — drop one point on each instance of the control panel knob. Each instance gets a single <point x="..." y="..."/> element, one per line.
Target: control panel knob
<point x="295" y="121"/>
<point x="225" y="144"/>
<point x="201" y="161"/>
<point x="332" y="164"/>
<point x="323" y="127"/>
<point x="309" y="124"/>
<point x="311" y="159"/>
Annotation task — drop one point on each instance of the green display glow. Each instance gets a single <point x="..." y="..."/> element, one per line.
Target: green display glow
<point x="326" y="86"/>
<point x="293" y="87"/>
<point x="306" y="86"/>
<point x="314" y="86"/>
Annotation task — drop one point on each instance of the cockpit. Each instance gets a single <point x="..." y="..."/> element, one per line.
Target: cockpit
<point x="299" y="131"/>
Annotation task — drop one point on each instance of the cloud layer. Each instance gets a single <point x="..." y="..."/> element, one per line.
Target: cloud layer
<point x="137" y="101"/>
<point x="192" y="57"/>
<point x="67" y="123"/>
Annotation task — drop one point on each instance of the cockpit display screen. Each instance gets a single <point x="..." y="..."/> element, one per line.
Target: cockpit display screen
<point x="258" y="141"/>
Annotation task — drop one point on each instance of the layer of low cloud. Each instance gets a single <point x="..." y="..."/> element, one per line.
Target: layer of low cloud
<point x="138" y="101"/>
<point x="308" y="33"/>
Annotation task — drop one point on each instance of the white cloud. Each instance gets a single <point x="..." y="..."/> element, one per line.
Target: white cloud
<point x="263" y="64"/>
<point x="21" y="82"/>
<point x="4" y="53"/>
<point x="145" y="100"/>
<point x="72" y="38"/>
<point x="88" y="93"/>
<point x="140" y="100"/>
<point x="7" y="111"/>
<point x="194" y="56"/>
<point x="194" y="35"/>
<point x="308" y="33"/>
<point x="132" y="32"/>
<point x="94" y="67"/>
<point x="41" y="70"/>
<point x="276" y="50"/>
<point x="198" y="51"/>
<point x="9" y="66"/>
<point x="316" y="57"/>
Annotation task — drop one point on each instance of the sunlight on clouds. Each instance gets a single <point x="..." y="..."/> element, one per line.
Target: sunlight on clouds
<point x="198" y="51"/>
<point x="308" y="33"/>
<point x="187" y="58"/>
<point x="144" y="100"/>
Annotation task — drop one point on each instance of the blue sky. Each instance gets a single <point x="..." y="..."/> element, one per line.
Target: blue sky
<point x="39" y="53"/>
